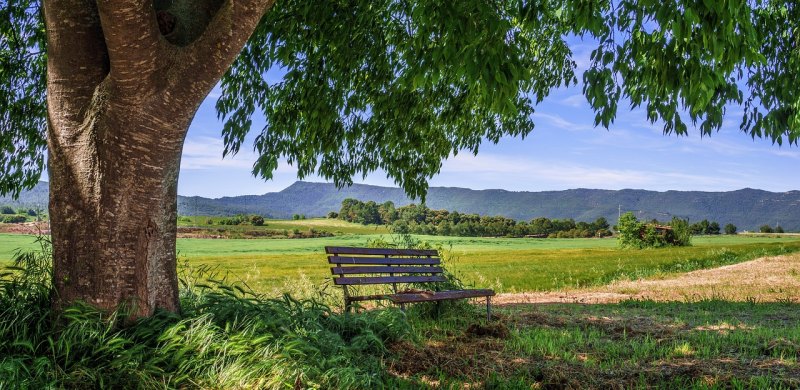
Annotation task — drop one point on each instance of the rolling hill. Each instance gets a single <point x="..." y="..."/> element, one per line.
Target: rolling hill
<point x="746" y="208"/>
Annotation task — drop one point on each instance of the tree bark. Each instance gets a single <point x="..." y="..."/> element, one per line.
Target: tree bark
<point x="113" y="208"/>
<point x="120" y="100"/>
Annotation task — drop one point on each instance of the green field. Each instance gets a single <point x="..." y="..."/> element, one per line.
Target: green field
<point x="505" y="264"/>
<point x="335" y="226"/>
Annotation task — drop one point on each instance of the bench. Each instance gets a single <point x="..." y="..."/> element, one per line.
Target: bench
<point x="373" y="266"/>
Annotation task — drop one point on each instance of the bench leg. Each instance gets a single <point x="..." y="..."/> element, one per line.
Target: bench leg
<point x="488" y="309"/>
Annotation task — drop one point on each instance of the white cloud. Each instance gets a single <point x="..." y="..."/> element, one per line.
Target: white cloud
<point x="521" y="174"/>
<point x="206" y="153"/>
<point x="559" y="122"/>
<point x="576" y="101"/>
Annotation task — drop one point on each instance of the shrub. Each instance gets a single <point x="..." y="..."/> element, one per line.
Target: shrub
<point x="730" y="229"/>
<point x="6" y="210"/>
<point x="766" y="229"/>
<point x="332" y="215"/>
<point x="14" y="219"/>
<point x="635" y="234"/>
<point x="257" y="220"/>
<point x="630" y="230"/>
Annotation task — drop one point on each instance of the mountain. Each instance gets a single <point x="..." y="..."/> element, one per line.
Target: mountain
<point x="36" y="197"/>
<point x="747" y="208"/>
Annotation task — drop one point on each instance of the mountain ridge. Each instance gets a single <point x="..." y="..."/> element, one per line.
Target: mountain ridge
<point x="746" y="208"/>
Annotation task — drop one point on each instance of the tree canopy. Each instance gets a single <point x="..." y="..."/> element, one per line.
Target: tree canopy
<point x="400" y="85"/>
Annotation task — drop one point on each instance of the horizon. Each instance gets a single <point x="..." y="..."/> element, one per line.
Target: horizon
<point x="485" y="189"/>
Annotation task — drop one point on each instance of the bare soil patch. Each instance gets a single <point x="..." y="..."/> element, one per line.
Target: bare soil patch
<point x="768" y="279"/>
<point x="42" y="227"/>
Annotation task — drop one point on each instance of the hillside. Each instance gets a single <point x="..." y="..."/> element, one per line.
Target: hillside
<point x="746" y="208"/>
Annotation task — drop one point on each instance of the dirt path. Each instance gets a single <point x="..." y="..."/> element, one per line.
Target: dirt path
<point x="762" y="280"/>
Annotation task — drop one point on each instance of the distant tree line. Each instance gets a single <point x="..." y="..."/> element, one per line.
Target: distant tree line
<point x="419" y="219"/>
<point x="10" y="215"/>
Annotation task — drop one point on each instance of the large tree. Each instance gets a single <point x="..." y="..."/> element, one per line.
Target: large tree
<point x="108" y="89"/>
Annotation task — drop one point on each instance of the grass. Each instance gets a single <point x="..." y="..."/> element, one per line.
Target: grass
<point x="705" y="344"/>
<point x="335" y="226"/>
<point x="231" y="337"/>
<point x="506" y="264"/>
<point x="225" y="337"/>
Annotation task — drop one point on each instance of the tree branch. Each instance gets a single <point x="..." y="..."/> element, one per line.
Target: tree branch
<point x="207" y="59"/>
<point x="132" y="38"/>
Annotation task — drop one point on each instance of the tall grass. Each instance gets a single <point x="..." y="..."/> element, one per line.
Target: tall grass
<point x="226" y="337"/>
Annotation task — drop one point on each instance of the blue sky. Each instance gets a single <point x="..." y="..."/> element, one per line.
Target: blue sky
<point x="564" y="151"/>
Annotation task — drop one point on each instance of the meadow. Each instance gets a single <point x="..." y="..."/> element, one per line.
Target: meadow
<point x="505" y="264"/>
<point x="227" y="340"/>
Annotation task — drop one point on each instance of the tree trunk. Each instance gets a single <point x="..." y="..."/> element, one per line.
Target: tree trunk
<point x="122" y="89"/>
<point x="113" y="208"/>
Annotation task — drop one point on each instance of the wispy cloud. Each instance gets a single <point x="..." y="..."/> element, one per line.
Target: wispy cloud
<point x="515" y="173"/>
<point x="206" y="153"/>
<point x="560" y="122"/>
<point x="576" y="100"/>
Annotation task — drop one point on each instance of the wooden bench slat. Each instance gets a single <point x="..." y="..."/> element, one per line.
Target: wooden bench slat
<point x="384" y="260"/>
<point x="438" y="295"/>
<point x="380" y="251"/>
<point x="346" y="280"/>
<point x="385" y="270"/>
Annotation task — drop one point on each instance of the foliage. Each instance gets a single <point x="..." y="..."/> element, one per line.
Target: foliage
<point x="639" y="235"/>
<point x="7" y="210"/>
<point x="13" y="219"/>
<point x="423" y="220"/>
<point x="402" y="85"/>
<point x="257" y="220"/>
<point x="22" y="96"/>
<point x="730" y="228"/>
<point x="766" y="229"/>
<point x="705" y="227"/>
<point x="227" y="337"/>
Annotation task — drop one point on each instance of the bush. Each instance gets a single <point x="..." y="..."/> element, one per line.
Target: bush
<point x="7" y="210"/>
<point x="257" y="220"/>
<point x="730" y="229"/>
<point x="235" y="220"/>
<point x="14" y="219"/>
<point x="635" y="234"/>
<point x="766" y="229"/>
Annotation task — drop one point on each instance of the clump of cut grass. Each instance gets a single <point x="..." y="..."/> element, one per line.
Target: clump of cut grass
<point x="226" y="337"/>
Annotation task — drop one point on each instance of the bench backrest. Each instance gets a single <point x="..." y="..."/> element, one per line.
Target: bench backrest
<point x="358" y="266"/>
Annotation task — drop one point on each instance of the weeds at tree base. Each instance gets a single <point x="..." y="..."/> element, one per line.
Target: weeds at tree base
<point x="226" y="337"/>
